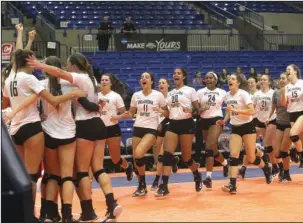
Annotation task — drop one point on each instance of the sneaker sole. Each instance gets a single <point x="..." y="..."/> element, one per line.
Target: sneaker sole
<point x="117" y="211"/>
<point x="154" y="189"/>
<point x="160" y="195"/>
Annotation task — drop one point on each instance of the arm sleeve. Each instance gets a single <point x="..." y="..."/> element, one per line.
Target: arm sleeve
<point x="34" y="84"/>
<point x="90" y="106"/>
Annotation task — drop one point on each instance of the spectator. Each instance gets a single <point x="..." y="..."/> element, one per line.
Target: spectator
<point x="104" y="34"/>
<point x="198" y="80"/>
<point x="238" y="70"/>
<point x="258" y="79"/>
<point x="224" y="77"/>
<point x="128" y="26"/>
<point x="267" y="71"/>
<point x="253" y="72"/>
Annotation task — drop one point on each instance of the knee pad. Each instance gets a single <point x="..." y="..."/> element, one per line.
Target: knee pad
<point x="98" y="173"/>
<point x="284" y="154"/>
<point x="268" y="149"/>
<point x="257" y="161"/>
<point x="119" y="162"/>
<point x="81" y="175"/>
<point x="56" y="178"/>
<point x="190" y="162"/>
<point x="295" y="138"/>
<point x="209" y="153"/>
<point x="76" y="183"/>
<point x="44" y="178"/>
<point x="140" y="162"/>
<point x="34" y="177"/>
<point x="160" y="158"/>
<point x="234" y="161"/>
<point x="63" y="180"/>
<point x="279" y="156"/>
<point x="168" y="159"/>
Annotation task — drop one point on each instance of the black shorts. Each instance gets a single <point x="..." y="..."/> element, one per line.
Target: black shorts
<point x="207" y="123"/>
<point x="113" y="131"/>
<point x="262" y="125"/>
<point x="54" y="143"/>
<point x="255" y="122"/>
<point x="244" y="129"/>
<point x="283" y="127"/>
<point x="140" y="132"/>
<point x="27" y="131"/>
<point x="163" y="131"/>
<point x="293" y="116"/>
<point x="182" y="127"/>
<point x="91" y="129"/>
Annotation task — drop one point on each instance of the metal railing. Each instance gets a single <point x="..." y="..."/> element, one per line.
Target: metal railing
<point x="194" y="42"/>
<point x="252" y="16"/>
<point x="12" y="16"/>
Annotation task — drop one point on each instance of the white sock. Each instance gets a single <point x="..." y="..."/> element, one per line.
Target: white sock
<point x="208" y="174"/>
<point x="224" y="163"/>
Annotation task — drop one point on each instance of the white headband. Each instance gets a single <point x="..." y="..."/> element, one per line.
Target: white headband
<point x="215" y="75"/>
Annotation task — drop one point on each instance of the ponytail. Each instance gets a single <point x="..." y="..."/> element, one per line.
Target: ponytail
<point x="90" y="72"/>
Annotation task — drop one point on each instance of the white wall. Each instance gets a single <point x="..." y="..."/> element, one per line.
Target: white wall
<point x="288" y="23"/>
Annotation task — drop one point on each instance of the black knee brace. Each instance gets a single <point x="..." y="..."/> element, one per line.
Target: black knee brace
<point x="98" y="173"/>
<point x="279" y="156"/>
<point x="56" y="178"/>
<point x="295" y="138"/>
<point x="168" y="159"/>
<point x="257" y="161"/>
<point x="140" y="162"/>
<point x="34" y="177"/>
<point x="63" y="180"/>
<point x="81" y="175"/>
<point x="209" y="153"/>
<point x="234" y="161"/>
<point x="268" y="149"/>
<point x="160" y="158"/>
<point x="284" y="154"/>
<point x="189" y="163"/>
<point x="119" y="162"/>
<point x="76" y="183"/>
<point x="45" y="178"/>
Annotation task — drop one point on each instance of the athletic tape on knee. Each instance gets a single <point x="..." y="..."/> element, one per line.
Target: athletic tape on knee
<point x="257" y="161"/>
<point x="81" y="175"/>
<point x="55" y="177"/>
<point x="98" y="173"/>
<point x="168" y="159"/>
<point x="295" y="138"/>
<point x="268" y="149"/>
<point x="140" y="162"/>
<point x="160" y="158"/>
<point x="284" y="154"/>
<point x="209" y="153"/>
<point x="190" y="162"/>
<point x="234" y="161"/>
<point x="63" y="180"/>
<point x="34" y="178"/>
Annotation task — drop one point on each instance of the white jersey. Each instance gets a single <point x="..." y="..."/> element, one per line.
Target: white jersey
<point x="294" y="93"/>
<point x="214" y="99"/>
<point x="113" y="103"/>
<point x="17" y="88"/>
<point x="84" y="83"/>
<point x="239" y="101"/>
<point x="179" y="99"/>
<point x="263" y="102"/>
<point x="162" y="117"/>
<point x="252" y="96"/>
<point x="59" y="122"/>
<point x="146" y="117"/>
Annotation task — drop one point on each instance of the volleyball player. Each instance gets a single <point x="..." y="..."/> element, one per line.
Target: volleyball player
<point x="26" y="127"/>
<point x="164" y="87"/>
<point x="145" y="105"/>
<point x="212" y="99"/>
<point x="181" y="130"/>
<point x="293" y="98"/>
<point x="113" y="105"/>
<point x="282" y="139"/>
<point x="90" y="134"/>
<point x="240" y="111"/>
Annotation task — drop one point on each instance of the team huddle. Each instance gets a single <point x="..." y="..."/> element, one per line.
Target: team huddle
<point x="76" y="120"/>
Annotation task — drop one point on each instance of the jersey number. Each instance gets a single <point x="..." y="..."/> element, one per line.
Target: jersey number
<point x="145" y="108"/>
<point x="294" y="94"/>
<point x="211" y="98"/>
<point x="264" y="104"/>
<point x="174" y="99"/>
<point x="13" y="89"/>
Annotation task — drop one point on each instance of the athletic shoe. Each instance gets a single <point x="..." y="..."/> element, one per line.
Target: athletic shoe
<point x="175" y="164"/>
<point x="242" y="172"/>
<point x="232" y="189"/>
<point x="208" y="182"/>
<point x="111" y="216"/>
<point x="301" y="163"/>
<point x="88" y="218"/>
<point x="275" y="170"/>
<point x="162" y="191"/>
<point x="154" y="186"/>
<point x="141" y="191"/>
<point x="129" y="171"/>
<point x="69" y="220"/>
<point x="268" y="173"/>
<point x="285" y="178"/>
<point x="198" y="181"/>
<point x="294" y="155"/>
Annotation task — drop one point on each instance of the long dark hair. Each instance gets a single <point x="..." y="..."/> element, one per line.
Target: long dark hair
<point x="20" y="58"/>
<point x="152" y="77"/>
<point x="184" y="72"/>
<point x="53" y="83"/>
<point x="81" y="62"/>
<point x="168" y="82"/>
<point x="243" y="82"/>
<point x="117" y="85"/>
<point x="296" y="68"/>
